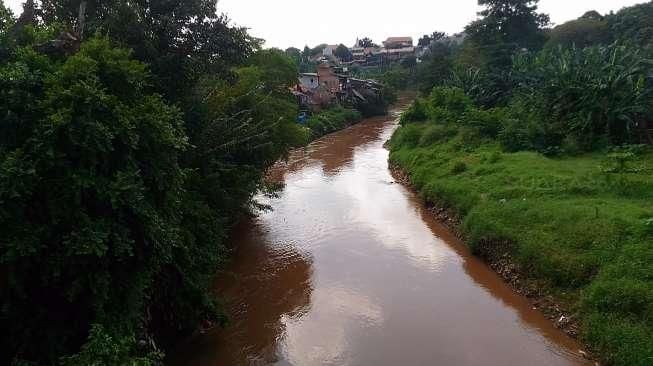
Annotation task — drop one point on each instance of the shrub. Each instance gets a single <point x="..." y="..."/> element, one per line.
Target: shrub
<point x="331" y="120"/>
<point x="489" y="121"/>
<point x="448" y="104"/>
<point x="436" y="133"/>
<point x="417" y="112"/>
<point x="459" y="167"/>
<point x="407" y="136"/>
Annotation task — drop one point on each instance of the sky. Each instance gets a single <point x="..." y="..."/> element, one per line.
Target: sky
<point x="285" y="23"/>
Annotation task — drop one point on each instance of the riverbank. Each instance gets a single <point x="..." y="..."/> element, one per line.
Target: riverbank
<point x="571" y="234"/>
<point x="498" y="256"/>
<point x="349" y="268"/>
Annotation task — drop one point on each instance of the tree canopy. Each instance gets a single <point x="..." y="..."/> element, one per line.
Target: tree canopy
<point x="123" y="164"/>
<point x="513" y="22"/>
<point x="427" y="39"/>
<point x="366" y="42"/>
<point x="343" y="53"/>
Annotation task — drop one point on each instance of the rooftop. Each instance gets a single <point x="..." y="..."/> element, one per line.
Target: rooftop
<point x="399" y="40"/>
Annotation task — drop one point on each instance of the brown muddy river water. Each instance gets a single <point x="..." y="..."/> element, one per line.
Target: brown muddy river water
<point x="350" y="269"/>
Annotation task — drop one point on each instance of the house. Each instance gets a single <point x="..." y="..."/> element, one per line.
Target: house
<point x="329" y="51"/>
<point x="398" y="42"/>
<point x="309" y="80"/>
<point x="332" y="85"/>
<point x="327" y="77"/>
<point x="398" y="54"/>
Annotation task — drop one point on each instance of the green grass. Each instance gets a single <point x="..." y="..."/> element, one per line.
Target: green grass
<point x="580" y="230"/>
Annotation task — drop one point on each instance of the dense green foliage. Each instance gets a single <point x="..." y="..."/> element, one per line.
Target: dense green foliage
<point x="583" y="97"/>
<point x="579" y="224"/>
<point x="531" y="136"/>
<point x="343" y="53"/>
<point x="90" y="180"/>
<point x="121" y="173"/>
<point x="633" y="25"/>
<point x="561" y="98"/>
<point x="332" y="120"/>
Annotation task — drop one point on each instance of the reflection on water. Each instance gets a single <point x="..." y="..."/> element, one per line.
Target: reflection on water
<point x="350" y="269"/>
<point x="263" y="288"/>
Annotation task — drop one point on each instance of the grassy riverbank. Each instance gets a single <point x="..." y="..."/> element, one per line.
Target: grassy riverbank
<point x="332" y="120"/>
<point x="580" y="225"/>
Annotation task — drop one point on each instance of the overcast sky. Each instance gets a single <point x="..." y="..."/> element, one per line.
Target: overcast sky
<point x="285" y="23"/>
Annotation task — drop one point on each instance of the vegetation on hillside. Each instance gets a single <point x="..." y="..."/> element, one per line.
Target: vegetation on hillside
<point x="532" y="136"/>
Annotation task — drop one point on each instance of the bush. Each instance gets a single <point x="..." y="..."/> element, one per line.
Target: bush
<point x="489" y="122"/>
<point x="417" y="112"/>
<point x="446" y="105"/>
<point x="408" y="136"/>
<point x="436" y="133"/>
<point x="332" y="120"/>
<point x="458" y="168"/>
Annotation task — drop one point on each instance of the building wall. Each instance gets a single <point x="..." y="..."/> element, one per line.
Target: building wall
<point x="309" y="81"/>
<point x="328" y="51"/>
<point x="327" y="77"/>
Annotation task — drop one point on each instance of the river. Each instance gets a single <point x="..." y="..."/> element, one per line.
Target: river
<point x="349" y="268"/>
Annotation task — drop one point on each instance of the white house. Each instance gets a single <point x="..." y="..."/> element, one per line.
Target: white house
<point x="309" y="80"/>
<point x="329" y="51"/>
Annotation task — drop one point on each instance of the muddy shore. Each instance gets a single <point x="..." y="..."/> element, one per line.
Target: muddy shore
<point x="497" y="256"/>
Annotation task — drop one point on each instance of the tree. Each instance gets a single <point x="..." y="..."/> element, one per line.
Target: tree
<point x="366" y="43"/>
<point x="592" y="15"/>
<point x="436" y="66"/>
<point x="343" y="53"/>
<point x="515" y="23"/>
<point x="427" y="39"/>
<point x="294" y="53"/>
<point x="318" y="49"/>
<point x="506" y="28"/>
<point x="306" y="53"/>
<point x="633" y="24"/>
<point x="6" y="19"/>
<point x="583" y="32"/>
<point x="114" y="202"/>
<point x="90" y="184"/>
<point x="6" y="22"/>
<point x="169" y="35"/>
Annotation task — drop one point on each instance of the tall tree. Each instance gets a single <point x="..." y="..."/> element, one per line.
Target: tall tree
<point x="343" y="53"/>
<point x="366" y="42"/>
<point x="512" y="22"/>
<point x="89" y="186"/>
<point x="633" y="24"/>
<point x="427" y="39"/>
<point x="6" y="18"/>
<point x="172" y="36"/>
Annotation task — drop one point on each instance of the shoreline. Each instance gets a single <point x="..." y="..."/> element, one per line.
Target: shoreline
<point x="496" y="255"/>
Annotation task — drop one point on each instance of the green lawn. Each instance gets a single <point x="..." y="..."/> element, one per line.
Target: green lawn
<point x="583" y="231"/>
